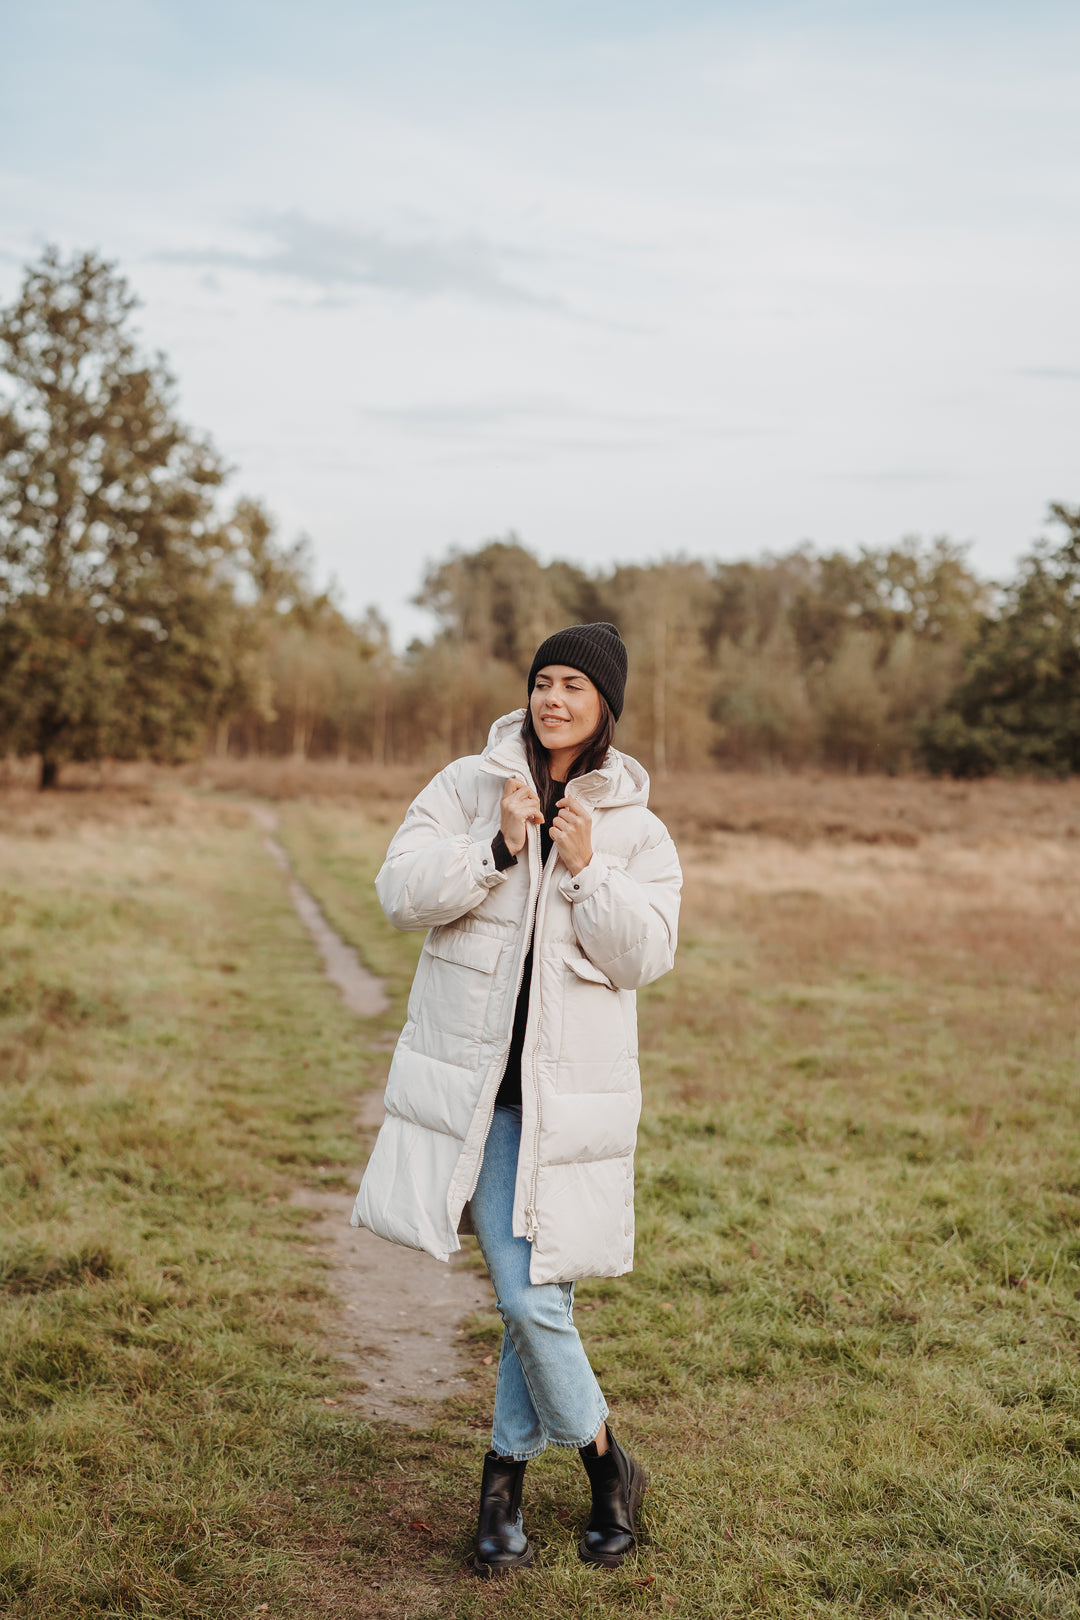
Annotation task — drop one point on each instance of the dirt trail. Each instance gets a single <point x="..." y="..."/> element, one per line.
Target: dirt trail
<point x="361" y="992"/>
<point x="398" y="1330"/>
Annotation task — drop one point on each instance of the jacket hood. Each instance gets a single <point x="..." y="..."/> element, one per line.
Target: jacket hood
<point x="620" y="780"/>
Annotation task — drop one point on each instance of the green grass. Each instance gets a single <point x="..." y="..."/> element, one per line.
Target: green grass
<point x="337" y="851"/>
<point x="847" y="1355"/>
<point x="172" y="1065"/>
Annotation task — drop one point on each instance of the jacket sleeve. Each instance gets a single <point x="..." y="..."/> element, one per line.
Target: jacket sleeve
<point x="626" y="919"/>
<point x="435" y="871"/>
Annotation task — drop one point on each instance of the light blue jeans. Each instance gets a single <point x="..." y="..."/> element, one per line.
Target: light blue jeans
<point x="546" y="1393"/>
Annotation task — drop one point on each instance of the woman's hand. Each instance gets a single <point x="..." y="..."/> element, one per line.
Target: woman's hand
<point x="571" y="833"/>
<point x="519" y="809"/>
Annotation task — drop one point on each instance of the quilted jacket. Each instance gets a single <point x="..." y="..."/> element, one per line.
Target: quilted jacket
<point x="599" y="937"/>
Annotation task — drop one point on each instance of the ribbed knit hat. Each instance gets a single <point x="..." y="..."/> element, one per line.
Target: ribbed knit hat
<point x="597" y="650"/>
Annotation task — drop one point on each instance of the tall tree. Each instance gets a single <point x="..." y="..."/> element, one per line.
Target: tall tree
<point x="500" y="602"/>
<point x="493" y="606"/>
<point x="1017" y="707"/>
<point x="120" y="630"/>
<point x="661" y="609"/>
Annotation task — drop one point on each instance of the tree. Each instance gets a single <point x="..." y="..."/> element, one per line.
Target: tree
<point x="500" y="601"/>
<point x="661" y="610"/>
<point x="493" y="607"/>
<point x="1017" y="706"/>
<point x="924" y="590"/>
<point x="121" y="633"/>
<point x="761" y="701"/>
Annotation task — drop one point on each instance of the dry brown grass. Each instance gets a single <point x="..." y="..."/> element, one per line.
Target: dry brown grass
<point x="890" y="810"/>
<point x="900" y="812"/>
<point x="1006" y="909"/>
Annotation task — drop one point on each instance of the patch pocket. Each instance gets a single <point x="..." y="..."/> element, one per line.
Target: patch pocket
<point x="453" y="1010"/>
<point x="588" y="971"/>
<point x="464" y="948"/>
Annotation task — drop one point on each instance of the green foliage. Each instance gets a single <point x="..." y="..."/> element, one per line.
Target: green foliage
<point x="762" y="702"/>
<point x="927" y="591"/>
<point x="323" y="680"/>
<point x="1017" y="707"/>
<point x="492" y="607"/>
<point x="501" y="602"/>
<point x="120" y="632"/>
<point x="789" y="661"/>
<point x="136" y="621"/>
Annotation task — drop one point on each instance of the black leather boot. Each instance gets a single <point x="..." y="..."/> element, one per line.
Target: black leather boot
<point x="501" y="1543"/>
<point x="618" y="1484"/>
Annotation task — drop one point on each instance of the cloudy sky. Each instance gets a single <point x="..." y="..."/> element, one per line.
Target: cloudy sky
<point x="627" y="277"/>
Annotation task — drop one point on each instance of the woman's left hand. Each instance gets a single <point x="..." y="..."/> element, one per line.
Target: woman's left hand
<point x="571" y="833"/>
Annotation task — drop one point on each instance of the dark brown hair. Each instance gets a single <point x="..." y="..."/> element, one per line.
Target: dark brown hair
<point x="590" y="758"/>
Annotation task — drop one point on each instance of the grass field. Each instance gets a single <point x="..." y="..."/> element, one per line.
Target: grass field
<point x="847" y="1356"/>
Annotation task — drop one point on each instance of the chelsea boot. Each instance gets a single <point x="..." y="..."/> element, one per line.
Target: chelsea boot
<point x="618" y="1484"/>
<point x="501" y="1543"/>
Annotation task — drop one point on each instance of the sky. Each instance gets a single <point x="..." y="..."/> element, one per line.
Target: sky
<point x="627" y="279"/>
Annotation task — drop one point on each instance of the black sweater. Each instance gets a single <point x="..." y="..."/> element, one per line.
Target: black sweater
<point x="510" y="1089"/>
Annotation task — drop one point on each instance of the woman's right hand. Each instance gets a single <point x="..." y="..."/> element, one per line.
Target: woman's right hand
<point x="518" y="810"/>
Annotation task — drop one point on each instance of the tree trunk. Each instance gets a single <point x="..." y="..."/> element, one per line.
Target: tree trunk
<point x="50" y="773"/>
<point x="378" y="738"/>
<point x="660" y="697"/>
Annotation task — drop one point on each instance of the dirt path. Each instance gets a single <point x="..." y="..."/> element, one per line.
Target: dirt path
<point x="361" y="992"/>
<point x="398" y="1329"/>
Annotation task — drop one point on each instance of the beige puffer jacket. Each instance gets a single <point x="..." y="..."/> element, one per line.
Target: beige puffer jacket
<point x="599" y="937"/>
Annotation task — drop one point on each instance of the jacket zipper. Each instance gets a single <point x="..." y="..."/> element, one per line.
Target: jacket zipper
<point x="532" y="835"/>
<point x="532" y="840"/>
<point x="532" y="1225"/>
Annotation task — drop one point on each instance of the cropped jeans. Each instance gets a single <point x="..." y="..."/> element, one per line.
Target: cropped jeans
<point x="546" y="1393"/>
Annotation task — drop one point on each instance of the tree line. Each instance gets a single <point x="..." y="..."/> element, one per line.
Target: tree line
<point x="141" y="618"/>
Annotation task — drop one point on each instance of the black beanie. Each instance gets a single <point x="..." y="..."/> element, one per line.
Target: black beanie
<point x="597" y="650"/>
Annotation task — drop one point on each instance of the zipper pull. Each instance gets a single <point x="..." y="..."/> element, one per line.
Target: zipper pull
<point x="531" y="1227"/>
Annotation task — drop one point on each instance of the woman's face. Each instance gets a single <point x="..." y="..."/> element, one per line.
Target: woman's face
<point x="565" y="707"/>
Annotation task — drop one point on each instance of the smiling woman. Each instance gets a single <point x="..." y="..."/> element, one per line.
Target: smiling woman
<point x="513" y="1097"/>
<point x="564" y="710"/>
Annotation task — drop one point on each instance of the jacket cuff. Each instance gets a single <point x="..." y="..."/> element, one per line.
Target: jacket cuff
<point x="586" y="883"/>
<point x="482" y="865"/>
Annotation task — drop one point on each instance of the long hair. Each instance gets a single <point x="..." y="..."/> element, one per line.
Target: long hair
<point x="592" y="754"/>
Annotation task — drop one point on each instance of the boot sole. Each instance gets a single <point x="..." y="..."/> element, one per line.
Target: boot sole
<point x="638" y="1482"/>
<point x="494" y="1572"/>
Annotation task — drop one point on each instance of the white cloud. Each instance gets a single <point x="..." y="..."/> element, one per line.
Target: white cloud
<point x="333" y="257"/>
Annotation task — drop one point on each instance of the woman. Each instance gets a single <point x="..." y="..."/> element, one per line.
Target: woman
<point x="551" y="894"/>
